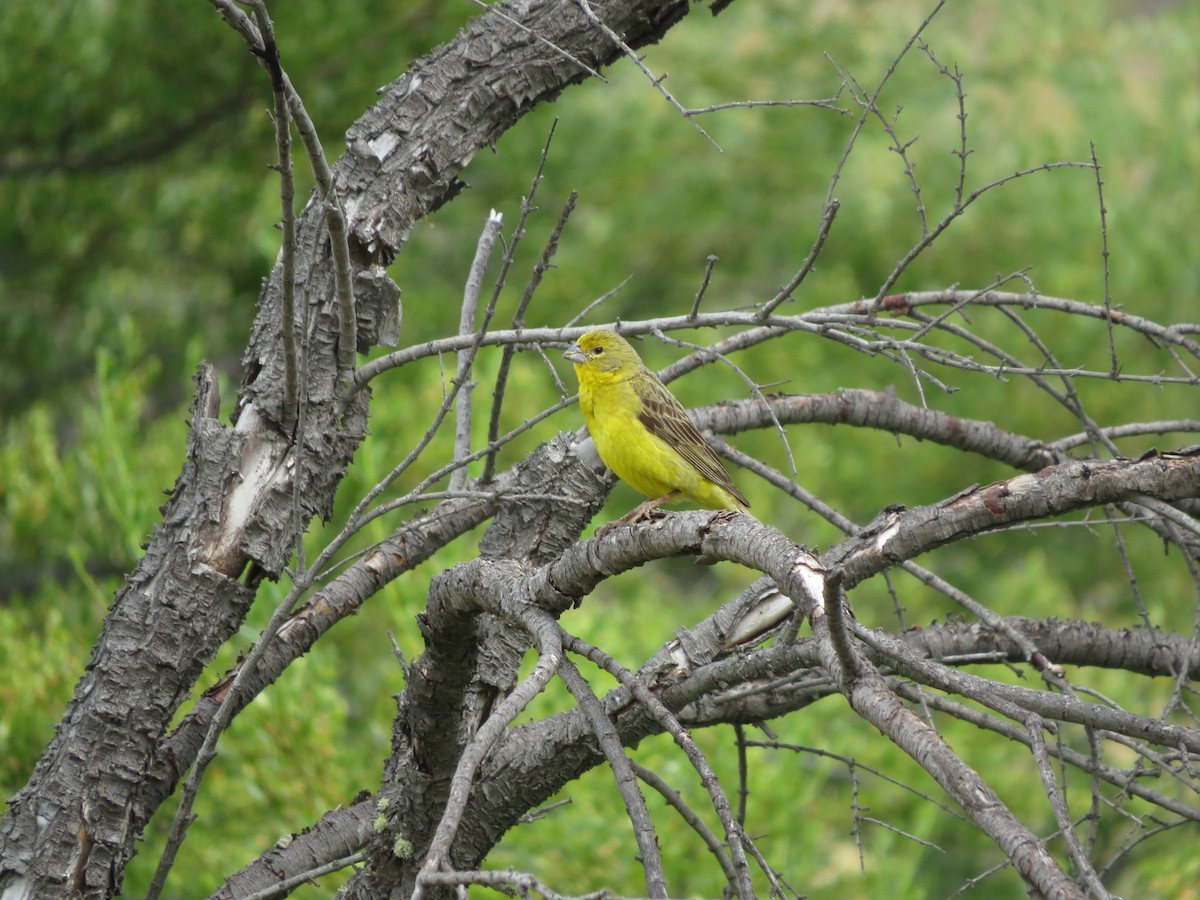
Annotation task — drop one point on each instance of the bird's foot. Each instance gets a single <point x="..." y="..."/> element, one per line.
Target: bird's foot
<point x="605" y="529"/>
<point x="646" y="510"/>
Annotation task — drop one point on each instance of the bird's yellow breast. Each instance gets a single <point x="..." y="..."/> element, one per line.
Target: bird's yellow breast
<point x="623" y="442"/>
<point x="640" y="458"/>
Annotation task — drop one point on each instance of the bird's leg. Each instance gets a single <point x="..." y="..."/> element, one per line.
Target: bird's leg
<point x="639" y="513"/>
<point x="642" y="511"/>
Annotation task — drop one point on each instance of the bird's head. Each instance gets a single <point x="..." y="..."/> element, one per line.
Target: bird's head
<point x="603" y="352"/>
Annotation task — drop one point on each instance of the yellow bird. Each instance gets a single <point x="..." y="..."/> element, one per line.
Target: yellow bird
<point x="642" y="432"/>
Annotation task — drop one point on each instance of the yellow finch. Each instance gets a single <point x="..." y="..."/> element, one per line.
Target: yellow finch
<point x="641" y="431"/>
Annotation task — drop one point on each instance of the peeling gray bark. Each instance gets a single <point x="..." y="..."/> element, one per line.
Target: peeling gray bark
<point x="69" y="827"/>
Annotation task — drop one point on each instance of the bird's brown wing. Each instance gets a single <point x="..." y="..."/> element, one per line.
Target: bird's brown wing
<point x="665" y="418"/>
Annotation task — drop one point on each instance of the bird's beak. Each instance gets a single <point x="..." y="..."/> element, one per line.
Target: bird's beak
<point x="574" y="354"/>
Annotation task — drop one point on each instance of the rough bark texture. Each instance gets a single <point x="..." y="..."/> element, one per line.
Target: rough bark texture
<point x="70" y="827"/>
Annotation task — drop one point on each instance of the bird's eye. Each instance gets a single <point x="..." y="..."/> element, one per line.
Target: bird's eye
<point x="597" y="351"/>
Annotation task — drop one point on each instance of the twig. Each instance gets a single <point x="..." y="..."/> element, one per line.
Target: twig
<point x="1168" y="512"/>
<point x="875" y="701"/>
<point x="1112" y="346"/>
<point x="1118" y="858"/>
<point x="819" y="322"/>
<point x="849" y="761"/>
<point x="293" y="407"/>
<point x="1016" y="702"/>
<point x="708" y="268"/>
<point x="1129" y="429"/>
<point x="739" y="734"/>
<point x="360" y="517"/>
<point x="466" y="359"/>
<point x="287" y="885"/>
<point x="925" y="576"/>
<point x="1083" y="865"/>
<point x="287" y="202"/>
<point x="749" y="382"/>
<point x="582" y="314"/>
<point x="689" y="816"/>
<point x="828" y="214"/>
<point x="963" y="151"/>
<point x="518" y="319"/>
<point x="335" y="217"/>
<point x="208" y="749"/>
<point x="830" y="103"/>
<point x="625" y="771"/>
<point x="637" y="61"/>
<point x="734" y="837"/>
<point x="963" y="300"/>
<point x="523" y="884"/>
<point x="1130" y="575"/>
<point x="1126" y="781"/>
<point x="868" y="103"/>
<point x="933" y="234"/>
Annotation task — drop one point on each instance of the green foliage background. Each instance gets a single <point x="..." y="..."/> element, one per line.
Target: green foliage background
<point x="136" y="222"/>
